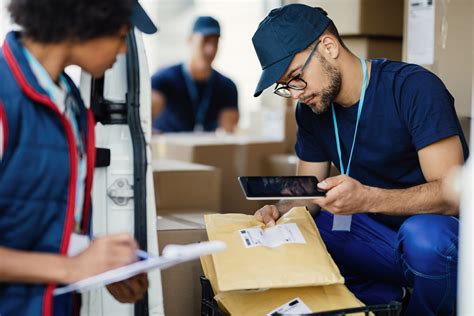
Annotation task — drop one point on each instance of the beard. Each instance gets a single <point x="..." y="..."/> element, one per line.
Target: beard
<point x="328" y="93"/>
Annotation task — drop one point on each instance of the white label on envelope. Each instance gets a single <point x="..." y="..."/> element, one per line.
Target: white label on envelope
<point x="272" y="237"/>
<point x="294" y="307"/>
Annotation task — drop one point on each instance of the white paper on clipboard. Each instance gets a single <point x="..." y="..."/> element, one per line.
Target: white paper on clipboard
<point x="421" y="32"/>
<point x="172" y="255"/>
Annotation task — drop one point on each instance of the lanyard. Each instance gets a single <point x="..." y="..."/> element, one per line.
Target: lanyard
<point x="359" y="112"/>
<point x="72" y="113"/>
<point x="45" y="75"/>
<point x="71" y="107"/>
<point x="200" y="107"/>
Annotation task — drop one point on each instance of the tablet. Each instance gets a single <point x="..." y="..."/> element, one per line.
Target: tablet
<point x="275" y="188"/>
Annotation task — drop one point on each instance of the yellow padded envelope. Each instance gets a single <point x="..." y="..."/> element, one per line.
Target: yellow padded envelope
<point x="249" y="303"/>
<point x="244" y="267"/>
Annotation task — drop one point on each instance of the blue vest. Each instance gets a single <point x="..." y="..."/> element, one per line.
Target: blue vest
<point x="38" y="173"/>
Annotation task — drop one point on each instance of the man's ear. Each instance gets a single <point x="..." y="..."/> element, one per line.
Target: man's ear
<point x="330" y="46"/>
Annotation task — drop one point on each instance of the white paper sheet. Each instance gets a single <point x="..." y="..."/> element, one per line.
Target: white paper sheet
<point x="172" y="255"/>
<point x="421" y="32"/>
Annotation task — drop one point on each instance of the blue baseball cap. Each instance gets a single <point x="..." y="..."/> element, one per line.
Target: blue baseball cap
<point x="141" y="20"/>
<point x="206" y="25"/>
<point x="285" y="32"/>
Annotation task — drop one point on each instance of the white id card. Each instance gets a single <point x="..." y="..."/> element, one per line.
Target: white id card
<point x="77" y="244"/>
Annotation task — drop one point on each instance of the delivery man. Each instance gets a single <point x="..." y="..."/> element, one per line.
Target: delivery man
<point x="47" y="152"/>
<point x="193" y="96"/>
<point x="392" y="131"/>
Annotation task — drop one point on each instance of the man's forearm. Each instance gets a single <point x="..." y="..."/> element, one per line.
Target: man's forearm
<point x="28" y="267"/>
<point x="421" y="199"/>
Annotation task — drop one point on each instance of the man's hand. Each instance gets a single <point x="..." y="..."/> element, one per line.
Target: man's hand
<point x="268" y="215"/>
<point x="130" y="290"/>
<point x="344" y="196"/>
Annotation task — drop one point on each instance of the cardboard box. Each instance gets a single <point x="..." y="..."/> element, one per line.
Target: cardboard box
<point x="363" y="17"/>
<point x="233" y="155"/>
<point x="182" y="185"/>
<point x="375" y="47"/>
<point x="181" y="287"/>
<point x="453" y="44"/>
<point x="290" y="127"/>
<point x="285" y="165"/>
<point x="281" y="165"/>
<point x="466" y="128"/>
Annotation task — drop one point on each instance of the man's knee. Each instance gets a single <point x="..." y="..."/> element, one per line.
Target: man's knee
<point x="429" y="244"/>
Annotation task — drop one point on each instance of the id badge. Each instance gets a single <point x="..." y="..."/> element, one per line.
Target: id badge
<point x="77" y="244"/>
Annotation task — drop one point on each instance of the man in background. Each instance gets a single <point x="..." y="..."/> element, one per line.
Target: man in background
<point x="192" y="96"/>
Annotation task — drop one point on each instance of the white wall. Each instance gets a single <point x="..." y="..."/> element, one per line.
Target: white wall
<point x="5" y="23"/>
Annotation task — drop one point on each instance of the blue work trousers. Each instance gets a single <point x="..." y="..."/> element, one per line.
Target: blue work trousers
<point x="377" y="261"/>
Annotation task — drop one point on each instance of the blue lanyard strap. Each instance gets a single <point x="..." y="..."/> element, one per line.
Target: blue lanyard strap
<point x="202" y="106"/>
<point x="359" y="112"/>
<point x="71" y="107"/>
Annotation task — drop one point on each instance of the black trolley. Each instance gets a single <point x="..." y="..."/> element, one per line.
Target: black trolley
<point x="209" y="306"/>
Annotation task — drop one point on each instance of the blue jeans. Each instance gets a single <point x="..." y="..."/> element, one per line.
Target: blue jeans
<point x="377" y="261"/>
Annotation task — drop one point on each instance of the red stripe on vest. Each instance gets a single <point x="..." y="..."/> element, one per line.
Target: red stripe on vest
<point x="69" y="221"/>
<point x="3" y="120"/>
<point x="90" y="169"/>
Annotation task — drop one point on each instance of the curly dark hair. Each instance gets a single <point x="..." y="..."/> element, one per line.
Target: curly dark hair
<point x="53" y="21"/>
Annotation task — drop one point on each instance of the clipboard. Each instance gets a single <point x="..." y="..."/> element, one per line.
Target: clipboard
<point x="171" y="255"/>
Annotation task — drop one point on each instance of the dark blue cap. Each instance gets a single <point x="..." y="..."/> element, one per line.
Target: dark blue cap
<point x="141" y="20"/>
<point x="285" y="32"/>
<point x="206" y="25"/>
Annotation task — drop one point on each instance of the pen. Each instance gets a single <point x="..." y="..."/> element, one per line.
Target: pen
<point x="141" y="254"/>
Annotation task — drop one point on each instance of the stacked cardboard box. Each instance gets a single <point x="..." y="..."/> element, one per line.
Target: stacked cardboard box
<point x="374" y="47"/>
<point x="367" y="17"/>
<point x="182" y="185"/>
<point x="233" y="155"/>
<point x="466" y="128"/>
<point x="285" y="165"/>
<point x="290" y="127"/>
<point x="452" y="49"/>
<point x="181" y="288"/>
<point x="281" y="165"/>
<point x="369" y="28"/>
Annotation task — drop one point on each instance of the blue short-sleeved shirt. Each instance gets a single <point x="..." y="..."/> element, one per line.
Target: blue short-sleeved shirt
<point x="179" y="113"/>
<point x="406" y="108"/>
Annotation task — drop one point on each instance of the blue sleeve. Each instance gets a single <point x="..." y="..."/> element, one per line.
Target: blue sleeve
<point x="161" y="81"/>
<point x="307" y="146"/>
<point x="427" y="108"/>
<point x="231" y="95"/>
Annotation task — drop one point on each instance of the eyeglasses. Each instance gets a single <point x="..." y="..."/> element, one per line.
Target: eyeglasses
<point x="295" y="83"/>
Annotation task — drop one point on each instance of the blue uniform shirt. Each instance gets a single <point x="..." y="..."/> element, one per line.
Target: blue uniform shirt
<point x="179" y="113"/>
<point x="406" y="108"/>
